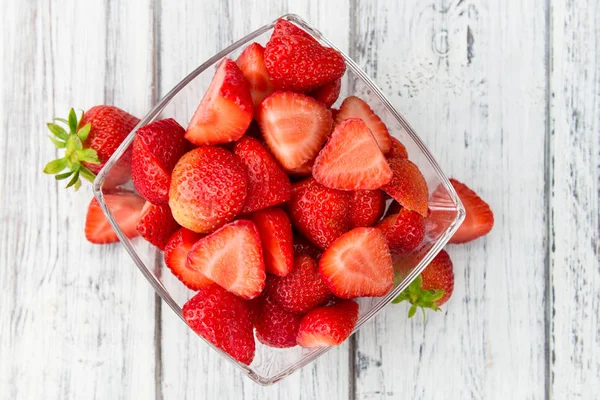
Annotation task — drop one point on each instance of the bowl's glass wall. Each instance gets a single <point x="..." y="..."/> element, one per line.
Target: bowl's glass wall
<point x="270" y="364"/>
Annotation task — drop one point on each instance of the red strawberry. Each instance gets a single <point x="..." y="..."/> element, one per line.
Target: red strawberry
<point x="268" y="185"/>
<point x="175" y="253"/>
<point x="225" y="111"/>
<point x="303" y="170"/>
<point x="276" y="327"/>
<point x="156" y="224"/>
<point x="224" y="320"/>
<point x="275" y="232"/>
<point x="479" y="219"/>
<point x="254" y="307"/>
<point x="232" y="258"/>
<point x="156" y="149"/>
<point x="252" y="65"/>
<point x="301" y="290"/>
<point x="358" y="264"/>
<point x="303" y="247"/>
<point x="353" y="107"/>
<point x="328" y="326"/>
<point x="208" y="188"/>
<point x="301" y="64"/>
<point x="285" y="28"/>
<point x="294" y="126"/>
<point x="408" y="186"/>
<point x="125" y="208"/>
<point x="433" y="287"/>
<point x="366" y="207"/>
<point x="328" y="93"/>
<point x="398" y="150"/>
<point x="351" y="159"/>
<point x="334" y="113"/>
<point x="319" y="213"/>
<point x="403" y="231"/>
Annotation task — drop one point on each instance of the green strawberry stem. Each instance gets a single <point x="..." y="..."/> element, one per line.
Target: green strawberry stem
<point x="75" y="154"/>
<point x="419" y="297"/>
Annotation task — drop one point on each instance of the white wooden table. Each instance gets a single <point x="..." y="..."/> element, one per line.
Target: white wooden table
<point x="505" y="93"/>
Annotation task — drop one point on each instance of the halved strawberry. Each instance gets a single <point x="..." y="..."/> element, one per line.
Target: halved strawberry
<point x="294" y="126"/>
<point x="275" y="230"/>
<point x="268" y="185"/>
<point x="354" y="107"/>
<point x="351" y="159"/>
<point x="125" y="208"/>
<point x="157" y="224"/>
<point x="403" y="231"/>
<point x="232" y="258"/>
<point x="398" y="150"/>
<point x="479" y="219"/>
<point x="286" y="28"/>
<point x="328" y="326"/>
<point x="408" y="186"/>
<point x="224" y="320"/>
<point x="226" y="109"/>
<point x="175" y="254"/>
<point x="252" y="64"/>
<point x="303" y="247"/>
<point x="358" y="264"/>
<point x="328" y="93"/>
<point x="276" y="327"/>
<point x="366" y="207"/>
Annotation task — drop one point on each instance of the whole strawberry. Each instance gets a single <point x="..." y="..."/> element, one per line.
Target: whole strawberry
<point x="275" y="326"/>
<point x="403" y="231"/>
<point x="156" y="224"/>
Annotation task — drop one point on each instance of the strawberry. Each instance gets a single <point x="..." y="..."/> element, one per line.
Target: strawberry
<point x="432" y="288"/>
<point x="286" y="28"/>
<point x="225" y="111"/>
<point x="208" y="188"/>
<point x="252" y="65"/>
<point x="353" y="107"/>
<point x="408" y="186"/>
<point x="276" y="327"/>
<point x="89" y="143"/>
<point x="125" y="208"/>
<point x="366" y="207"/>
<point x="254" y="307"/>
<point x="479" y="219"/>
<point x="268" y="184"/>
<point x="328" y="93"/>
<point x="403" y="231"/>
<point x="301" y="290"/>
<point x="358" y="264"/>
<point x="334" y="113"/>
<point x="175" y="254"/>
<point x="328" y="326"/>
<point x="294" y="126"/>
<point x="224" y="320"/>
<point x="157" y="224"/>
<point x="156" y="149"/>
<point x="303" y="247"/>
<point x="232" y="258"/>
<point x="351" y="159"/>
<point x="397" y="149"/>
<point x="301" y="64"/>
<point x="275" y="232"/>
<point x="318" y="212"/>
<point x="302" y="171"/>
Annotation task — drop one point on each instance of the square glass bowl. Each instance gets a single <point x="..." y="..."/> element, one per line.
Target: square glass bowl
<point x="447" y="213"/>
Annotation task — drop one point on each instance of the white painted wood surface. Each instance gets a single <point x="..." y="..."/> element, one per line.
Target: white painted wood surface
<point x="506" y="94"/>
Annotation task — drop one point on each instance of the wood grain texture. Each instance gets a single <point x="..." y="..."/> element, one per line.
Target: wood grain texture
<point x="470" y="78"/>
<point x="574" y="200"/>
<point x="77" y="320"/>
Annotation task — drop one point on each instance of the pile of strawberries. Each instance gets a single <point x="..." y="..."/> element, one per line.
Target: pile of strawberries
<point x="270" y="204"/>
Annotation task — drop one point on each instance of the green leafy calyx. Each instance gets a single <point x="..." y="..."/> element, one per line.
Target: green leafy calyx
<point x="419" y="297"/>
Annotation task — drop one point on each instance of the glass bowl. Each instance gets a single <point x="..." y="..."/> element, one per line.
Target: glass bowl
<point x="447" y="213"/>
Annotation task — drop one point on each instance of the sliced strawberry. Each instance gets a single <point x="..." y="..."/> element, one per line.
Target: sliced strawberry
<point x="276" y="327"/>
<point x="275" y="230"/>
<point x="351" y="159"/>
<point x="303" y="170"/>
<point x="408" y="186"/>
<point x="358" y="264"/>
<point x="403" y="231"/>
<point x="232" y="258"/>
<point x="252" y="64"/>
<point x="328" y="93"/>
<point x="224" y="320"/>
<point x="366" y="207"/>
<point x="125" y="208"/>
<point x="301" y="64"/>
<point x="286" y="28"/>
<point x="157" y="224"/>
<point x="318" y="212"/>
<point x="175" y="253"/>
<point x="301" y="290"/>
<point x="328" y="326"/>
<point x="208" y="188"/>
<point x="479" y="219"/>
<point x="398" y="150"/>
<point x="226" y="109"/>
<point x="268" y="185"/>
<point x="353" y="107"/>
<point x="294" y="126"/>
<point x="303" y="247"/>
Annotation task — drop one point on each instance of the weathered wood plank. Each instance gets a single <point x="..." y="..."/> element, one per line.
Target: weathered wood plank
<point x="470" y="77"/>
<point x="77" y="319"/>
<point x="574" y="200"/>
